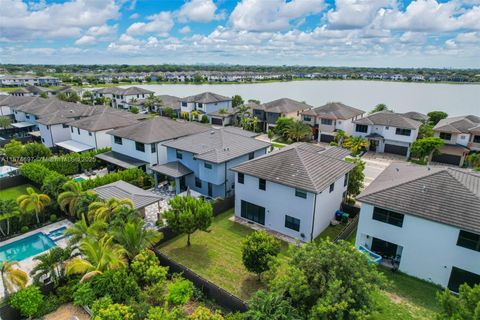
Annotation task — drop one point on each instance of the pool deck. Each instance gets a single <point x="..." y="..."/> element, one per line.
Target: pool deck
<point x="28" y="264"/>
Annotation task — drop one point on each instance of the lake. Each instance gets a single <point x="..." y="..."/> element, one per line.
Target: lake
<point x="455" y="99"/>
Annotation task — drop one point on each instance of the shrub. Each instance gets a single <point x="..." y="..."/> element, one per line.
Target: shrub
<point x="27" y="301"/>
<point x="202" y="313"/>
<point x="134" y="176"/>
<point x="162" y="313"/>
<point x="84" y="294"/>
<point x="36" y="172"/>
<point x="36" y="150"/>
<point x="146" y="267"/>
<point x="53" y="217"/>
<point x="118" y="284"/>
<point x="258" y="251"/>
<point x="50" y="304"/>
<point x="179" y="291"/>
<point x="204" y="119"/>
<point x="73" y="163"/>
<point x="114" y="311"/>
<point x="24" y="229"/>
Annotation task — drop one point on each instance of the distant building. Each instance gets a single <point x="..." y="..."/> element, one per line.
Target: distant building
<point x="205" y="103"/>
<point x="268" y="113"/>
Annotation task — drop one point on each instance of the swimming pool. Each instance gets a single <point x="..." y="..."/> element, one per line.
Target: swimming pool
<point x="79" y="179"/>
<point x="57" y="234"/>
<point x="26" y="247"/>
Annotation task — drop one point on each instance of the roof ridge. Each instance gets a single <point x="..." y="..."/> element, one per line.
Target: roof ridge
<point x="449" y="171"/>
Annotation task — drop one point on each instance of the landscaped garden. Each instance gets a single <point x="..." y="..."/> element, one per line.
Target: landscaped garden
<point x="14" y="192"/>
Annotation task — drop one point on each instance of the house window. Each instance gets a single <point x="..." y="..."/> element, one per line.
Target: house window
<point x="117" y="140"/>
<point x="445" y="135"/>
<point x="179" y="154"/>
<point x="207" y="165"/>
<point x="251" y="155"/>
<point x="327" y="122"/>
<point x="386" y="128"/>
<point x="71" y="129"/>
<point x="240" y="178"/>
<point x="48" y="127"/>
<point x="476" y="139"/>
<point x="300" y="193"/>
<point x="139" y="146"/>
<point x="153" y="147"/>
<point x="292" y="223"/>
<point x="252" y="212"/>
<point x="198" y="183"/>
<point x="361" y="128"/>
<point x="89" y="133"/>
<point x="307" y="118"/>
<point x="78" y="130"/>
<point x="332" y="187"/>
<point x="262" y="184"/>
<point x="469" y="240"/>
<point x="388" y="216"/>
<point x="64" y="126"/>
<point x="345" y="181"/>
<point x="184" y="104"/>
<point x="462" y="137"/>
<point x="200" y="105"/>
<point x="403" y="132"/>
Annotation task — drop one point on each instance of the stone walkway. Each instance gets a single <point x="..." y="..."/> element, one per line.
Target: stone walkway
<point x="68" y="312"/>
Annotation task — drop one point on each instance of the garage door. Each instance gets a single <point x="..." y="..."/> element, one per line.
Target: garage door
<point x="217" y="121"/>
<point x="460" y="276"/>
<point x="447" y="158"/>
<point x="391" y="148"/>
<point x="326" y="138"/>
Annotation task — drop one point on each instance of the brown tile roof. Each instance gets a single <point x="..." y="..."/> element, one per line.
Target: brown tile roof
<point x="283" y="105"/>
<point x="388" y="118"/>
<point x="447" y="195"/>
<point x="206" y="97"/>
<point x="334" y="111"/>
<point x="462" y="124"/>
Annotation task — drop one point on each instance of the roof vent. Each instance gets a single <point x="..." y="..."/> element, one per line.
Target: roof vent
<point x="212" y="132"/>
<point x="397" y="169"/>
<point x="428" y="168"/>
<point x="424" y="188"/>
<point x="226" y="149"/>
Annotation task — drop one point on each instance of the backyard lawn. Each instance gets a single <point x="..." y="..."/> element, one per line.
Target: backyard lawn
<point x="217" y="255"/>
<point x="14" y="192"/>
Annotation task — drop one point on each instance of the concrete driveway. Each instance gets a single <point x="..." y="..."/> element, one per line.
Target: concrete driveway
<point x="375" y="163"/>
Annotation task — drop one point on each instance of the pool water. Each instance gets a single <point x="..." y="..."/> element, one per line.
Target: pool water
<point x="79" y="179"/>
<point x="57" y="233"/>
<point x="26" y="247"/>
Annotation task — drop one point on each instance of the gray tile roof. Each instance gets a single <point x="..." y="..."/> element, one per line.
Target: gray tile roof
<point x="174" y="169"/>
<point x="335" y="111"/>
<point x="158" y="129"/>
<point x="462" y="124"/>
<point x="120" y="159"/>
<point x="242" y="132"/>
<point x="446" y="195"/>
<point x="387" y="118"/>
<point x="123" y="91"/>
<point x="283" y="105"/>
<point x="124" y="190"/>
<point x="206" y="97"/>
<point x="217" y="145"/>
<point x="107" y="119"/>
<point x="297" y="167"/>
<point x="416" y="116"/>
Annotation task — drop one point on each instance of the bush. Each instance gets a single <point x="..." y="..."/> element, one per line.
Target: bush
<point x="53" y="217"/>
<point x="24" y="229"/>
<point x="204" y="119"/>
<point x="118" y="284"/>
<point x="179" y="291"/>
<point x="28" y="301"/>
<point x="202" y="313"/>
<point x="35" y="150"/>
<point x="84" y="294"/>
<point x="36" y="172"/>
<point x="162" y="313"/>
<point x="50" y="304"/>
<point x="259" y="250"/>
<point x="134" y="176"/>
<point x="146" y="268"/>
<point x="73" y="163"/>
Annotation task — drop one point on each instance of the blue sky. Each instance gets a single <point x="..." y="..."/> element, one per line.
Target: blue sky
<point x="391" y="33"/>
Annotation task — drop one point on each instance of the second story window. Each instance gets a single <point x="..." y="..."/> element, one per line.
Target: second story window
<point x="300" y="193"/>
<point x="403" y="132"/>
<point x="469" y="240"/>
<point x="179" y="154"/>
<point x="327" y="122"/>
<point x="445" y="136"/>
<point x="262" y="184"/>
<point x="78" y="130"/>
<point x="207" y="165"/>
<point x="251" y="155"/>
<point x="332" y="187"/>
<point x="64" y="126"/>
<point x="240" y="178"/>
<point x="307" y="118"/>
<point x="476" y="139"/>
<point x="153" y="147"/>
<point x="71" y="129"/>
<point x="345" y="182"/>
<point x="388" y="216"/>
<point x="198" y="183"/>
<point x="89" y="133"/>
<point x="361" y="128"/>
<point x="117" y="140"/>
<point x="184" y="104"/>
<point x="139" y="146"/>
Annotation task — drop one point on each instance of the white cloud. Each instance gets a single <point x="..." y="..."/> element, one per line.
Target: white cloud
<point x="450" y="44"/>
<point x="185" y="29"/>
<point x="352" y="14"/>
<point x="160" y="24"/>
<point x="134" y="16"/>
<point x="85" y="40"/>
<point x="272" y="15"/>
<point x="413" y="37"/>
<point x="468" y="37"/>
<point x="199" y="11"/>
<point x="97" y="34"/>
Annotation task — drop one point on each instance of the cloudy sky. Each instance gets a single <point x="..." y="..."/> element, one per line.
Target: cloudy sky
<point x="403" y="33"/>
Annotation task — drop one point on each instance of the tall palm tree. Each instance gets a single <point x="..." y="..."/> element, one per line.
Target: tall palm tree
<point x="105" y="210"/>
<point x="84" y="201"/>
<point x="13" y="278"/>
<point x="33" y="201"/>
<point x="81" y="229"/>
<point x="68" y="200"/>
<point x="340" y="137"/>
<point x="8" y="209"/>
<point x="356" y="144"/>
<point x="51" y="264"/>
<point x="298" y="131"/>
<point x="98" y="257"/>
<point x="134" y="238"/>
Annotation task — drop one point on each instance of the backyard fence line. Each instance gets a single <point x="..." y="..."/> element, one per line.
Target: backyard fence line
<point x="348" y="230"/>
<point x="9" y="313"/>
<point x="220" y="206"/>
<point x="212" y="291"/>
<point x="23" y="140"/>
<point x="13" y="181"/>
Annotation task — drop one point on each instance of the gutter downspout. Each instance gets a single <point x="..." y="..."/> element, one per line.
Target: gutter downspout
<point x="313" y="218"/>
<point x="225" y="180"/>
<point x="95" y="136"/>
<point x="51" y="136"/>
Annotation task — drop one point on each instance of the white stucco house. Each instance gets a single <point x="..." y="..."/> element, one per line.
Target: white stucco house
<point x="331" y="117"/>
<point x="294" y="191"/>
<point x="388" y="132"/>
<point x="205" y="103"/>
<point x="427" y="219"/>
<point x="122" y="97"/>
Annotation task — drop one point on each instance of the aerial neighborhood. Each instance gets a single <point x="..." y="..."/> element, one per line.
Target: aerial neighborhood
<point x="399" y="190"/>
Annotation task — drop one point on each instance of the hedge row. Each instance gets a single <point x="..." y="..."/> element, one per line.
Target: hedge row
<point x="134" y="176"/>
<point x="37" y="172"/>
<point x="73" y="163"/>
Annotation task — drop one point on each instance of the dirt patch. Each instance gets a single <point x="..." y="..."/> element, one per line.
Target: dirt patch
<point x="66" y="312"/>
<point x="395" y="299"/>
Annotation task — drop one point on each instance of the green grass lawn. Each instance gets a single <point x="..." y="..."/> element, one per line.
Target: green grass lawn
<point x="217" y="255"/>
<point x="278" y="145"/>
<point x="331" y="232"/>
<point x="14" y="192"/>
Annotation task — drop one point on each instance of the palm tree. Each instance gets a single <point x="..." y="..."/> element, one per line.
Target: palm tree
<point x="98" y="257"/>
<point x="70" y="197"/>
<point x="51" y="264"/>
<point x="356" y="144"/>
<point x="340" y="137"/>
<point x="13" y="278"/>
<point x="84" y="201"/>
<point x="105" y="210"/>
<point x="33" y="201"/>
<point x="298" y="131"/>
<point x="8" y="210"/>
<point x="134" y="238"/>
<point x="81" y="230"/>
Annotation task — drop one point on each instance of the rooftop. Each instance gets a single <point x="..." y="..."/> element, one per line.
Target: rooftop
<point x="388" y="118"/>
<point x="462" y="124"/>
<point x="283" y="105"/>
<point x="124" y="190"/>
<point x="335" y="111"/>
<point x="206" y="97"/>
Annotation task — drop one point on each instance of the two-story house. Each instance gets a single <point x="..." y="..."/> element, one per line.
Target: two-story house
<point x="31" y="91"/>
<point x="268" y="113"/>
<point x="331" y="117"/>
<point x="427" y="219"/>
<point x="294" y="191"/>
<point x="140" y="144"/>
<point x="388" y="132"/>
<point x="205" y="103"/>
<point x="122" y="97"/>
<point x="202" y="161"/>
<point x="460" y="135"/>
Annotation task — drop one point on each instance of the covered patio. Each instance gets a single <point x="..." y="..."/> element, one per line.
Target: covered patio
<point x="73" y="146"/>
<point x="171" y="174"/>
<point x="119" y="160"/>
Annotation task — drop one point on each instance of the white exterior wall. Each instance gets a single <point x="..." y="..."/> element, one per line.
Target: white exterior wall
<point x="83" y="137"/>
<point x="128" y="148"/>
<point x="5" y="111"/>
<point x="53" y="133"/>
<point x="212" y="107"/>
<point x="461" y="139"/>
<point x="429" y="248"/>
<point x="103" y="139"/>
<point x="19" y="116"/>
<point x="346" y="125"/>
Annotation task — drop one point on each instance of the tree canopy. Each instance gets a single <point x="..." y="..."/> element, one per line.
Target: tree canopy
<point x="259" y="250"/>
<point x="435" y="116"/>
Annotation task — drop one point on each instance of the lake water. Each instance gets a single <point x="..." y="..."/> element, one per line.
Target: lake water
<point x="455" y="99"/>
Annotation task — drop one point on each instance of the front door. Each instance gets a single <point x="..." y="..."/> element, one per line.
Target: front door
<point x="183" y="187"/>
<point x="210" y="190"/>
<point x="384" y="248"/>
<point x="373" y="145"/>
